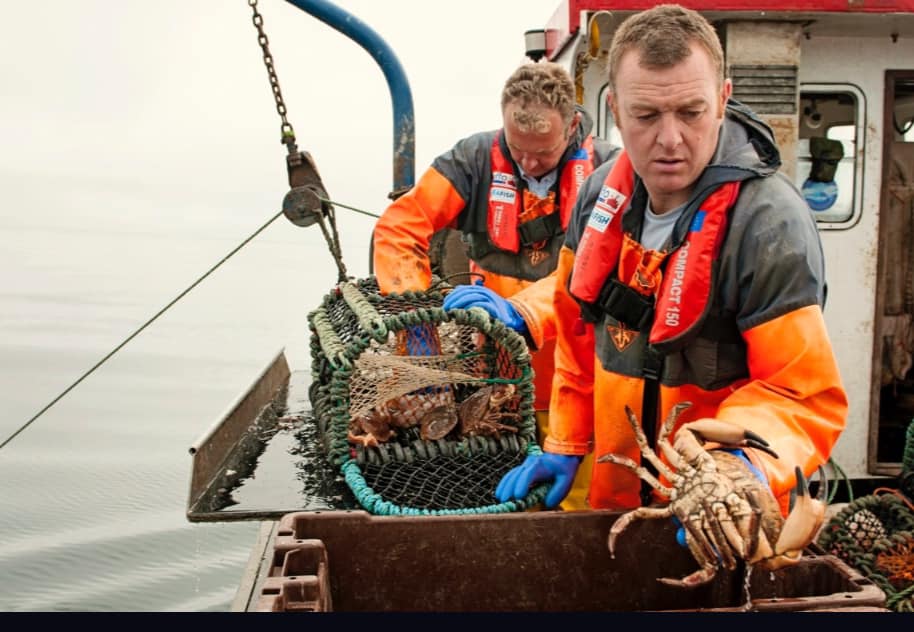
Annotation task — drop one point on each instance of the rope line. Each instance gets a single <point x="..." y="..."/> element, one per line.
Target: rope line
<point x="169" y="306"/>
<point x="137" y="332"/>
<point x="351" y="208"/>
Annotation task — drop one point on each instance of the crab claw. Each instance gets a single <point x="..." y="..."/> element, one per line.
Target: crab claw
<point x="366" y="440"/>
<point x="800" y="526"/>
<point x="726" y="433"/>
<point x="501" y="394"/>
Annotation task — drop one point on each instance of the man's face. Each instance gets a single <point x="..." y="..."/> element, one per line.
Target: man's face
<point x="669" y="120"/>
<point x="537" y="148"/>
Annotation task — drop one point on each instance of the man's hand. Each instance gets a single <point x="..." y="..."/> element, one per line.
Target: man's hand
<point x="467" y="296"/>
<point x="539" y="468"/>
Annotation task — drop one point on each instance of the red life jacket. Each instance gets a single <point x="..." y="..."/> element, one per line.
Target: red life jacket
<point x="685" y="290"/>
<point x="505" y="203"/>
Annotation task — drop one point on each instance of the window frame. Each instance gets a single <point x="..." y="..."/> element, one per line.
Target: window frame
<point x="810" y="89"/>
<point x="605" y="129"/>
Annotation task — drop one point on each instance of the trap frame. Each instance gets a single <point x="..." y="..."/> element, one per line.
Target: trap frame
<point x="396" y="358"/>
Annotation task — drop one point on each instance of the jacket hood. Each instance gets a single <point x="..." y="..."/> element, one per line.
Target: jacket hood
<point x="746" y="143"/>
<point x="585" y="127"/>
<point x="745" y="149"/>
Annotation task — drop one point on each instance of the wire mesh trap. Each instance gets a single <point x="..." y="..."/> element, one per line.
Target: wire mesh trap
<point x="875" y="534"/>
<point x="422" y="410"/>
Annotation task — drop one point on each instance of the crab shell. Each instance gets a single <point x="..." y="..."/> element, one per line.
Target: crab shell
<point x="774" y="542"/>
<point x="726" y="511"/>
<point x="436" y="423"/>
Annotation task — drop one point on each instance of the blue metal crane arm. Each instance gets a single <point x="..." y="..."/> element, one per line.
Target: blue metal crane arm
<point x="404" y="143"/>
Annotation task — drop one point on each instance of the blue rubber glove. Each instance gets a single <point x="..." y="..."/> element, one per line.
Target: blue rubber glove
<point x="539" y="468"/>
<point x="467" y="296"/>
<point x="680" y="532"/>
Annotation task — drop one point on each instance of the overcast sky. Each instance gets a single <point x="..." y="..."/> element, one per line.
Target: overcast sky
<point x="166" y="103"/>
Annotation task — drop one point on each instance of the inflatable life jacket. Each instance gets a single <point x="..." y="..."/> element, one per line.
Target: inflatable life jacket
<point x="683" y="298"/>
<point x="505" y="230"/>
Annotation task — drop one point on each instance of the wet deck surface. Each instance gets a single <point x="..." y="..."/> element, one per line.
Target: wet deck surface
<point x="279" y="466"/>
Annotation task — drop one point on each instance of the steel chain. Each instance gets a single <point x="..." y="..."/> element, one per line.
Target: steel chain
<point x="288" y="135"/>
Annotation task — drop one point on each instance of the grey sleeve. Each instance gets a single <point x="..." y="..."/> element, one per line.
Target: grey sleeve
<point x="467" y="166"/>
<point x="774" y="252"/>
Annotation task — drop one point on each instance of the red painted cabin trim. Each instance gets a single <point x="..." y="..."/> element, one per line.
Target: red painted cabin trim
<point x="566" y="21"/>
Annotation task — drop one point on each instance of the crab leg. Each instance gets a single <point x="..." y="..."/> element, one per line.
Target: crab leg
<point x="500" y="426"/>
<point x="744" y="535"/>
<point x="646" y="451"/>
<point x="757" y="534"/>
<point x="726" y="544"/>
<point x="641" y="471"/>
<point x="368" y="440"/>
<point x="702" y="552"/>
<point x="663" y="441"/>
<point x="670" y="422"/>
<point x="625" y="519"/>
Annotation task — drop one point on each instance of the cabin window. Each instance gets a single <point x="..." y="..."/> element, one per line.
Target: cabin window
<point x="829" y="159"/>
<point x="829" y="168"/>
<point x="903" y="110"/>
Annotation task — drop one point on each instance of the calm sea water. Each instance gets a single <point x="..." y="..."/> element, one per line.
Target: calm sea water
<point x="94" y="491"/>
<point x="141" y="146"/>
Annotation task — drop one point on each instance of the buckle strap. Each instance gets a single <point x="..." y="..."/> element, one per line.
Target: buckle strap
<point x="539" y="229"/>
<point x="627" y="305"/>
<point x="652" y="367"/>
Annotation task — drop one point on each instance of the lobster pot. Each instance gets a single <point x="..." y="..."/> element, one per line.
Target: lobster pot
<point x="875" y="534"/>
<point x="422" y="410"/>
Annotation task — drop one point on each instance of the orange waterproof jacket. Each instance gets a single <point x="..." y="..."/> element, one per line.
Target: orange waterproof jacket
<point x="455" y="193"/>
<point x="759" y="355"/>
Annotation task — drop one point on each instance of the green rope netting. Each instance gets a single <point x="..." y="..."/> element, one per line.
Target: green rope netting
<point x="906" y="480"/>
<point x="409" y="475"/>
<point x="899" y="590"/>
<point x="907" y="456"/>
<point x="875" y="535"/>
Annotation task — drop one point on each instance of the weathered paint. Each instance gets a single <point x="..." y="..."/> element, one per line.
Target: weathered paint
<point x="769" y="44"/>
<point x="851" y="252"/>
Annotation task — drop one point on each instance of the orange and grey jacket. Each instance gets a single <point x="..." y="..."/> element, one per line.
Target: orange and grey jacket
<point x="728" y="316"/>
<point x="477" y="189"/>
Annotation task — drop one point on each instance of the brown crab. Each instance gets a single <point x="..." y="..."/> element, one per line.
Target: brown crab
<point x="477" y="415"/>
<point x="435" y="414"/>
<point x="423" y="409"/>
<point x="726" y="511"/>
<point x="481" y="412"/>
